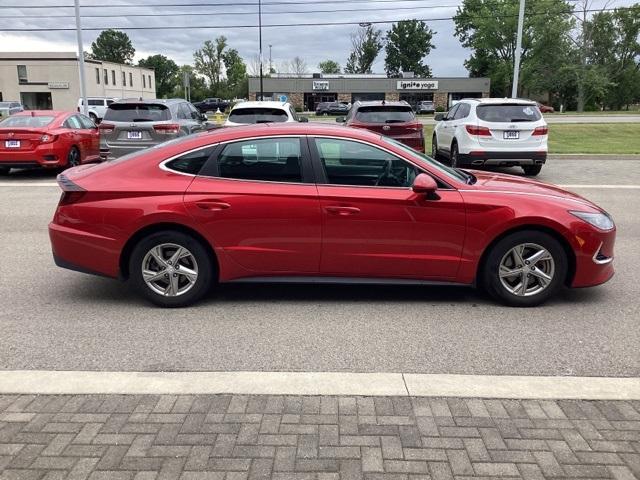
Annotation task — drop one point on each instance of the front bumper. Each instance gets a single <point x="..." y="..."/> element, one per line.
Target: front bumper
<point x="594" y="256"/>
<point x="501" y="159"/>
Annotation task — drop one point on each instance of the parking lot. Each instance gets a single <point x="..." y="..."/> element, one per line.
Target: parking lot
<point x="56" y="319"/>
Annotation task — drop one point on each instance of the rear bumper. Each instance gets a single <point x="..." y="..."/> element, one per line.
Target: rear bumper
<point x="43" y="156"/>
<point x="502" y="159"/>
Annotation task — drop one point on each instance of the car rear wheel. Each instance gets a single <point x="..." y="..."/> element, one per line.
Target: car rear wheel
<point x="93" y="117"/>
<point x="454" y="155"/>
<point x="171" y="269"/>
<point x="525" y="268"/>
<point x="531" y="170"/>
<point x="73" y="157"/>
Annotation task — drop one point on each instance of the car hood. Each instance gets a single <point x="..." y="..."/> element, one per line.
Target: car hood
<point x="500" y="182"/>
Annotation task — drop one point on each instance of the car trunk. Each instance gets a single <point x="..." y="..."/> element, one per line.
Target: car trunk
<point x="137" y="124"/>
<point x="511" y="125"/>
<point x="19" y="139"/>
<point x="397" y="121"/>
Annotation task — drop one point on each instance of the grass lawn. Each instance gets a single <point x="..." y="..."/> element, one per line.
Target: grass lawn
<point x="620" y="138"/>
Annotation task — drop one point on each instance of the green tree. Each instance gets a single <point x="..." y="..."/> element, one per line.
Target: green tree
<point x="488" y="28"/>
<point x="197" y="84"/>
<point x="166" y="73"/>
<point x="329" y="66"/>
<point x="408" y="43"/>
<point x="236" y="70"/>
<point x="113" y="46"/>
<point x="209" y="60"/>
<point x="366" y="43"/>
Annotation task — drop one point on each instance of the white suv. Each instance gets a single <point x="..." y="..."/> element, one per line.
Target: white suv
<point x="262" y="112"/>
<point x="96" y="107"/>
<point x="492" y="131"/>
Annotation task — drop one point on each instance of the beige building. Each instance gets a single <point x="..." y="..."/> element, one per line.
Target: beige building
<point x="46" y="80"/>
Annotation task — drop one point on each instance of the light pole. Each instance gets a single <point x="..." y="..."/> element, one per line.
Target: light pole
<point x="516" y="66"/>
<point x="83" y="87"/>
<point x="260" y="39"/>
<point x="270" y="65"/>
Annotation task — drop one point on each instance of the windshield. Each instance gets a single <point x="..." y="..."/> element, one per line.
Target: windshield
<point x="508" y="113"/>
<point x="385" y="114"/>
<point x="137" y="112"/>
<point x="26" y="121"/>
<point x="454" y="173"/>
<point x="258" y="115"/>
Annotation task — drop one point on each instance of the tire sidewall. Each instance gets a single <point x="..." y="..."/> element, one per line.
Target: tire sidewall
<point x="454" y="158"/>
<point x="491" y="280"/>
<point x="78" y="160"/>
<point x="434" y="147"/>
<point x="205" y="268"/>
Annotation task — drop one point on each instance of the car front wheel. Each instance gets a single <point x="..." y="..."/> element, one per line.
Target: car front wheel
<point x="171" y="269"/>
<point x="525" y="268"/>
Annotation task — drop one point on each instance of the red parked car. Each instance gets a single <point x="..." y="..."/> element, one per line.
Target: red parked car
<point x="392" y="119"/>
<point x="48" y="139"/>
<point x="315" y="203"/>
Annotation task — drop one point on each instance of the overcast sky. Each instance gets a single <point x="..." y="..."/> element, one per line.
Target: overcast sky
<point x="312" y="43"/>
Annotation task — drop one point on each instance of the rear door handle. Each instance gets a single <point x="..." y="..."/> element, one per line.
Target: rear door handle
<point x="342" y="211"/>
<point x="212" y="205"/>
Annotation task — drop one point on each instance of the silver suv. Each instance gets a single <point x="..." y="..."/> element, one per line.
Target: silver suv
<point x="130" y="125"/>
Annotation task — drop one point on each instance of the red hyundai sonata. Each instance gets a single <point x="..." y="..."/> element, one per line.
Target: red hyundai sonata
<point x="48" y="139"/>
<point x="316" y="203"/>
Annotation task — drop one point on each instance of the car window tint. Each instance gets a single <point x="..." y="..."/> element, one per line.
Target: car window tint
<point x="258" y="115"/>
<point x="95" y="102"/>
<point x="271" y="159"/>
<point x="73" y="122"/>
<point x="385" y="114"/>
<point x="353" y="163"/>
<point x="462" y="111"/>
<point x="452" y="112"/>
<point x="26" y="121"/>
<point x="137" y="112"/>
<point x="508" y="113"/>
<point x="86" y="122"/>
<point x="183" y="112"/>
<point x="191" y="162"/>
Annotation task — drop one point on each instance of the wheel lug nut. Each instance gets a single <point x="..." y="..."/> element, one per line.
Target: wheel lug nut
<point x="175" y="274"/>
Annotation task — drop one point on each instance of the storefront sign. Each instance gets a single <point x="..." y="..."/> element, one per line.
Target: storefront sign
<point x="417" y="85"/>
<point x="321" y="85"/>
<point x="58" y="85"/>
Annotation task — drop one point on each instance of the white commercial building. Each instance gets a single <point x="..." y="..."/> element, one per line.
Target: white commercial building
<point x="46" y="80"/>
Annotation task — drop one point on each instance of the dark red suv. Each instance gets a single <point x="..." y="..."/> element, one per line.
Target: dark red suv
<point x="392" y="119"/>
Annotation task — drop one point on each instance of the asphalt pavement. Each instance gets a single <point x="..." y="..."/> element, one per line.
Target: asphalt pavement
<point x="56" y="319"/>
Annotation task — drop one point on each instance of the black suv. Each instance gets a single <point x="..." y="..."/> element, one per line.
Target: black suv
<point x="332" y="108"/>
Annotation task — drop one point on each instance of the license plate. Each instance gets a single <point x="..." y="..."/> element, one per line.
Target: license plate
<point x="12" y="144"/>
<point x="511" y="134"/>
<point x="134" y="135"/>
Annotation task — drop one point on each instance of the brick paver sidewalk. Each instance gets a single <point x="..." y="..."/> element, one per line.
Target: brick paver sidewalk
<point x="236" y="437"/>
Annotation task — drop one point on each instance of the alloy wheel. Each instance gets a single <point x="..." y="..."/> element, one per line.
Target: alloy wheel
<point x="170" y="270"/>
<point x="526" y="269"/>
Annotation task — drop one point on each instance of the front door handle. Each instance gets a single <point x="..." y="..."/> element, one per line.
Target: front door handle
<point x="212" y="205"/>
<point x="342" y="211"/>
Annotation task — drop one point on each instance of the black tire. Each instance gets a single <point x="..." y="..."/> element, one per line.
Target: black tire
<point x="531" y="170"/>
<point x="93" y="117"/>
<point x="434" y="149"/>
<point x="4" y="171"/>
<point x="203" y="262"/>
<point x="453" y="155"/>
<point x="73" y="157"/>
<point x="492" y="283"/>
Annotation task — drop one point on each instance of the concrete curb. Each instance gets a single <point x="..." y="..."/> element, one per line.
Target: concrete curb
<point x="318" y="383"/>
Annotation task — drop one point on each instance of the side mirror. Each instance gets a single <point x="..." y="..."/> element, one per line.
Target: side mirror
<point x="203" y="117"/>
<point x="438" y="117"/>
<point x="303" y="119"/>
<point x="340" y="119"/>
<point x="424" y="185"/>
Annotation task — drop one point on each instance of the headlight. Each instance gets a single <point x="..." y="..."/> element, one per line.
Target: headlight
<point x="598" y="220"/>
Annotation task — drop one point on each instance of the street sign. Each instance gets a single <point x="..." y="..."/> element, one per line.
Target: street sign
<point x="283" y="98"/>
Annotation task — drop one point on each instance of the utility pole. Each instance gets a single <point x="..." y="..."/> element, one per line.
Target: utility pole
<point x="270" y="65"/>
<point x="83" y="85"/>
<point x="260" y="37"/>
<point x="516" y="66"/>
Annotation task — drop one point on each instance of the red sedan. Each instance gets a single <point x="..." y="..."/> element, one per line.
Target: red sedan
<point x="47" y="138"/>
<point x="316" y="203"/>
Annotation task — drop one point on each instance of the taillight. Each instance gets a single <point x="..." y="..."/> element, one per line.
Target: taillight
<point x="479" y="131"/>
<point x="106" y="128"/>
<point x="68" y="198"/>
<point x="167" y="128"/>
<point x="416" y="126"/>
<point x="47" y="138"/>
<point x="540" y="131"/>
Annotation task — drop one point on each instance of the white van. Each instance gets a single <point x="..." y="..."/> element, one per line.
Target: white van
<point x="97" y="106"/>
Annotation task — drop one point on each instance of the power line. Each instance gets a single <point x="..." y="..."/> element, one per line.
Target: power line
<point x="236" y="13"/>
<point x="314" y="24"/>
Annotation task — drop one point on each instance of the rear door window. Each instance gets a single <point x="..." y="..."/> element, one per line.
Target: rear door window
<point x="191" y="162"/>
<point x="508" y="113"/>
<point x="385" y="114"/>
<point x="258" y="115"/>
<point x="137" y="112"/>
<point x="462" y="111"/>
<point x="270" y="159"/>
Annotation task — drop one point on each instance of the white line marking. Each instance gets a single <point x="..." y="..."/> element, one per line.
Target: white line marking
<point x="317" y="383"/>
<point x="28" y="184"/>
